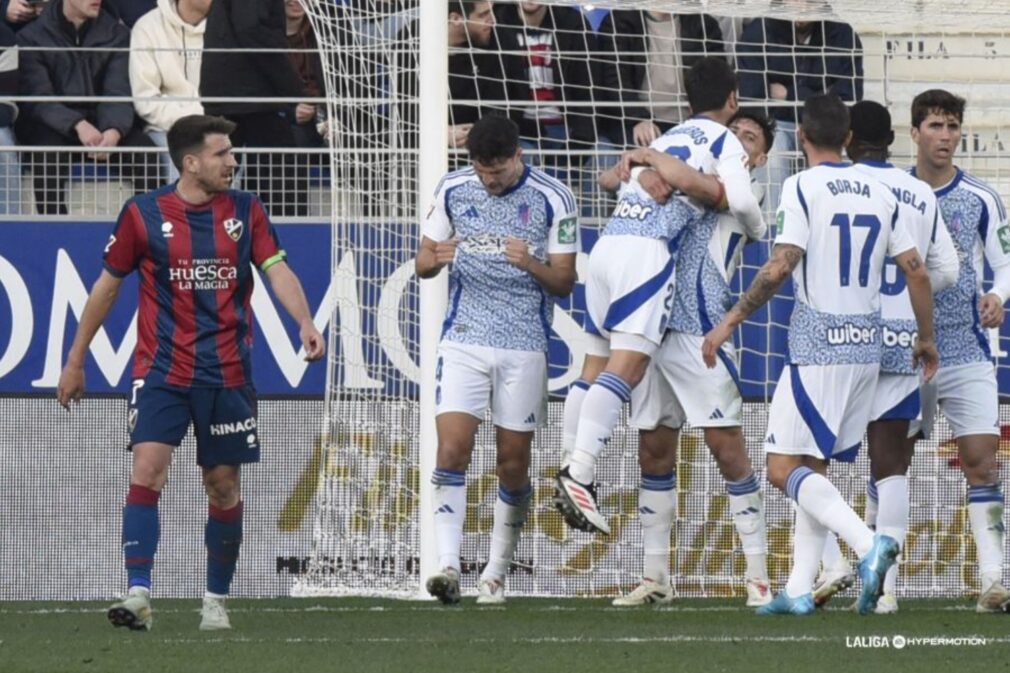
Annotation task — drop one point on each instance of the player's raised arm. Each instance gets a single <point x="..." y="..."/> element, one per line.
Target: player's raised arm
<point x="100" y="302"/>
<point x="740" y="199"/>
<point x="676" y="173"/>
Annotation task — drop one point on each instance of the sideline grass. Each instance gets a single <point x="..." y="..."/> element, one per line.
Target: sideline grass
<point x="316" y="635"/>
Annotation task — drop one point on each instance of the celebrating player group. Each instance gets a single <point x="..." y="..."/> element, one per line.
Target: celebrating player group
<point x="887" y="325"/>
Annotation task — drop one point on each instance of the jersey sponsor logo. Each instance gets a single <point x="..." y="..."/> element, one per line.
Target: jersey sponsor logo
<point x="234" y="428"/>
<point x="901" y="338"/>
<point x="166" y="229"/>
<point x="843" y="186"/>
<point x="632" y="211"/>
<point x="1004" y="238"/>
<point x="850" y="334"/>
<point x="567" y="230"/>
<point x="203" y="274"/>
<point x="487" y="244"/>
<point x="233" y="227"/>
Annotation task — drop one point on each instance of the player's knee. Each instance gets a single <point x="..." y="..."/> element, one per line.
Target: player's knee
<point x="980" y="466"/>
<point x="222" y="486"/>
<point x="778" y="473"/>
<point x="149" y="474"/>
<point x="453" y="454"/>
<point x="657" y="450"/>
<point x="729" y="450"/>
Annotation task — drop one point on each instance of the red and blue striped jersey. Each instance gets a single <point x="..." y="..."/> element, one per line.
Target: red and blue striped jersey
<point x="196" y="282"/>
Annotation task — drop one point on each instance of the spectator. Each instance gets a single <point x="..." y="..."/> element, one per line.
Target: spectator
<point x="19" y="13"/>
<point x="647" y="53"/>
<point x="10" y="169"/>
<point x="553" y="71"/>
<point x="166" y="46"/>
<point x="233" y="68"/>
<point x="474" y="71"/>
<point x="102" y="70"/>
<point x="787" y="62"/>
<point x="304" y="57"/>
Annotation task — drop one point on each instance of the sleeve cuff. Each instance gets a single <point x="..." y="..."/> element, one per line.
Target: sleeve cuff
<point x="270" y="261"/>
<point x="114" y="271"/>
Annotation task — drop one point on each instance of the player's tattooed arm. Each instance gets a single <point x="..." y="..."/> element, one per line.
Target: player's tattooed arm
<point x="769" y="279"/>
<point x="920" y="293"/>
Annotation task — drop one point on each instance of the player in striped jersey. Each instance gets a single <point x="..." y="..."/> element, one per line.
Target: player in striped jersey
<point x="510" y="233"/>
<point x="194" y="243"/>
<point x="629" y="292"/>
<point x="965" y="387"/>
<point x="896" y="398"/>
<point x="835" y="227"/>
<point x="678" y="388"/>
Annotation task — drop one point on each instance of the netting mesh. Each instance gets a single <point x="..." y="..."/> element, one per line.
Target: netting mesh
<point x="366" y="535"/>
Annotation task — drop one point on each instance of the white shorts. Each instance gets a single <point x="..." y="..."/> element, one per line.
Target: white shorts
<point x="821" y="410"/>
<point x="968" y="397"/>
<point x="896" y="398"/>
<point x="514" y="383"/>
<point x="680" y="387"/>
<point x="630" y="288"/>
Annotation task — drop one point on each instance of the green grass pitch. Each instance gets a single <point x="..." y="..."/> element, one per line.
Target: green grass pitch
<point x="527" y="635"/>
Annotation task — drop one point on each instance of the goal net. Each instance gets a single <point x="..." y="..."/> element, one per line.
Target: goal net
<point x="391" y="128"/>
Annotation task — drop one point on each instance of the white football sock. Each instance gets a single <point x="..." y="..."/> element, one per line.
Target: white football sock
<point x="985" y="511"/>
<point x="601" y="410"/>
<point x="892" y="519"/>
<point x="832" y="559"/>
<point x="657" y="504"/>
<point x="808" y="545"/>
<point x="747" y="507"/>
<point x="450" y="512"/>
<point x="573" y="406"/>
<point x="510" y="511"/>
<point x="872" y="503"/>
<point x="819" y="498"/>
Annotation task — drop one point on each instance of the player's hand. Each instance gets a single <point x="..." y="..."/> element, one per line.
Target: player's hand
<point x="88" y="134"/>
<point x="312" y="341"/>
<point x="71" y="385"/>
<point x="636" y="157"/>
<point x="445" y="251"/>
<point x="517" y="253"/>
<point x="714" y="340"/>
<point x="644" y="133"/>
<point x="304" y="113"/>
<point x="778" y="91"/>
<point x="655" y="186"/>
<point x="990" y="310"/>
<point x="924" y="354"/>
<point x="458" y="134"/>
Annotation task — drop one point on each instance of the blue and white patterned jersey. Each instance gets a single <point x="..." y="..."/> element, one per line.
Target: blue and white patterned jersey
<point x="709" y="254"/>
<point x="491" y="302"/>
<point x="847" y="223"/>
<point x="699" y="142"/>
<point x="918" y="210"/>
<point x="977" y="221"/>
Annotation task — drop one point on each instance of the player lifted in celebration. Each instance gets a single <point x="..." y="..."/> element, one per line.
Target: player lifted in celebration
<point x="965" y="386"/>
<point x="511" y="236"/>
<point x="194" y="242"/>
<point x="835" y="226"/>
<point x="896" y="405"/>
<point x="629" y="292"/>
<point x="678" y="387"/>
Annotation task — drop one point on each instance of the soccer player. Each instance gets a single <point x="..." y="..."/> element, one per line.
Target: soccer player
<point x="835" y="225"/>
<point x="511" y="235"/>
<point x="965" y="386"/>
<point x="896" y="402"/>
<point x="629" y="292"/>
<point x="679" y="387"/>
<point x="194" y="242"/>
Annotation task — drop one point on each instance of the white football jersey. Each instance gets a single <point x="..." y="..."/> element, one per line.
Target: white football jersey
<point x="491" y="302"/>
<point x="919" y="211"/>
<point x="847" y="223"/>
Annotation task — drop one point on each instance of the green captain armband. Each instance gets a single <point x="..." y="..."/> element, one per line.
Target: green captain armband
<point x="279" y="257"/>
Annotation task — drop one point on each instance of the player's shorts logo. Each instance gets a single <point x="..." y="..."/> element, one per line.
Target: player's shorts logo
<point x="233" y="227"/>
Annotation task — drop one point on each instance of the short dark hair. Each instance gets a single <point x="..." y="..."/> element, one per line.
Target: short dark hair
<point x="826" y="121"/>
<point x="188" y="135"/>
<point x="870" y="123"/>
<point x="492" y="139"/>
<point x="938" y="101"/>
<point x="464" y="7"/>
<point x="766" y="123"/>
<point x="708" y="83"/>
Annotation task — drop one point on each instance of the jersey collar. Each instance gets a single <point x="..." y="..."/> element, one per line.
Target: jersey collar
<point x="947" y="188"/>
<point x="835" y="164"/>
<point x="876" y="163"/>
